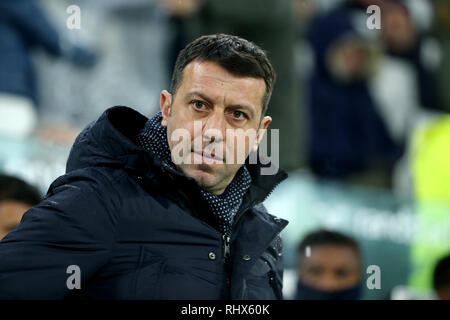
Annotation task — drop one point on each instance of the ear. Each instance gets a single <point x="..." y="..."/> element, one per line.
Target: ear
<point x="262" y="129"/>
<point x="165" y="103"/>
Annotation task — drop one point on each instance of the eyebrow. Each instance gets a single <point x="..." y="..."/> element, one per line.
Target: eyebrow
<point x="210" y="101"/>
<point x="199" y="94"/>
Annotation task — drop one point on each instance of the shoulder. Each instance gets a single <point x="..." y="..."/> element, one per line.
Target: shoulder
<point x="276" y="246"/>
<point x="261" y="210"/>
<point x="91" y="178"/>
<point x="93" y="187"/>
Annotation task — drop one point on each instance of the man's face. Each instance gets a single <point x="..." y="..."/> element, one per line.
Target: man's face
<point x="210" y="104"/>
<point x="330" y="268"/>
<point x="398" y="29"/>
<point x="349" y="60"/>
<point x="11" y="213"/>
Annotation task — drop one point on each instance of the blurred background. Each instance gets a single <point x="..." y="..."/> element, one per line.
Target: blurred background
<point x="363" y="112"/>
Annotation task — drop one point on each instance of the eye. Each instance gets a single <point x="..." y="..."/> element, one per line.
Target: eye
<point x="315" y="271"/>
<point x="199" y="105"/>
<point x="341" y="273"/>
<point x="239" y="115"/>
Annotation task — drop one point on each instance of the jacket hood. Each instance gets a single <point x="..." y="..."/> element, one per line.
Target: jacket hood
<point x="109" y="142"/>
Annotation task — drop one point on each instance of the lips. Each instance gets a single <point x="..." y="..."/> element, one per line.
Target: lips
<point x="208" y="158"/>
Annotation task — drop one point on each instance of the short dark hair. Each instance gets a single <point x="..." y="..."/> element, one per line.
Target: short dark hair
<point x="13" y="188"/>
<point x="441" y="274"/>
<point x="327" y="237"/>
<point x="236" y="55"/>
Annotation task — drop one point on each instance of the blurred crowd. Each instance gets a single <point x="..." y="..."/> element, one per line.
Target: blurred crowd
<point x="358" y="105"/>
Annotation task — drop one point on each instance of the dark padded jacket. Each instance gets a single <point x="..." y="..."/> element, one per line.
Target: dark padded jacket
<point x="138" y="230"/>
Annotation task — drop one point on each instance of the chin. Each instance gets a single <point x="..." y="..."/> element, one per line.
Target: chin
<point x="202" y="175"/>
<point x="208" y="177"/>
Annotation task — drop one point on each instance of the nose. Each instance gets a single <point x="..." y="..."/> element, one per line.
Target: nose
<point x="214" y="128"/>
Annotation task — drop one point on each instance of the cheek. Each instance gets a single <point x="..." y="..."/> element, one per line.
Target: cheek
<point x="178" y="128"/>
<point x="355" y="276"/>
<point x="239" y="143"/>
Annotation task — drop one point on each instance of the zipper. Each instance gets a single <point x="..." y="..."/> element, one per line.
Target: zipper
<point x="226" y="259"/>
<point x="226" y="238"/>
<point x="226" y="247"/>
<point x="226" y="250"/>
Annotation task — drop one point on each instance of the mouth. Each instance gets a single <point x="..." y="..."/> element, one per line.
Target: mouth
<point x="207" y="158"/>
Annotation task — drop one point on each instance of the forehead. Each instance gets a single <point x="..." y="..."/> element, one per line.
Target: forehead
<point x="212" y="79"/>
<point x="331" y="256"/>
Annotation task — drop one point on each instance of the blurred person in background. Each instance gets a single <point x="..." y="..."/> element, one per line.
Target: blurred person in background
<point x="405" y="39"/>
<point x="348" y="139"/>
<point x="441" y="278"/>
<point x="24" y="27"/>
<point x="16" y="197"/>
<point x="402" y="85"/>
<point x="179" y="12"/>
<point x="329" y="267"/>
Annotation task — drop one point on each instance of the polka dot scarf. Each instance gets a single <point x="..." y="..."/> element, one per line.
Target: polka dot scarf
<point x="153" y="137"/>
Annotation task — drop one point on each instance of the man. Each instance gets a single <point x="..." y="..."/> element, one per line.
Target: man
<point x="329" y="267"/>
<point x="16" y="197"/>
<point x="272" y="24"/>
<point x="133" y="218"/>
